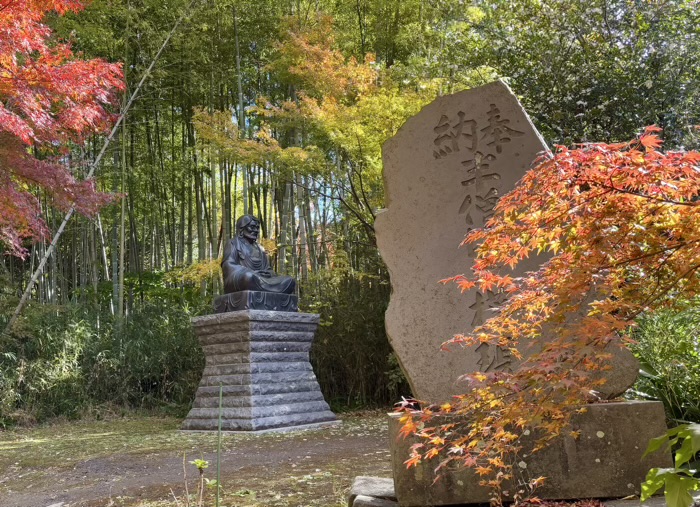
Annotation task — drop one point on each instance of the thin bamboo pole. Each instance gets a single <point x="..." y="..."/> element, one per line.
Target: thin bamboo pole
<point x="40" y="269"/>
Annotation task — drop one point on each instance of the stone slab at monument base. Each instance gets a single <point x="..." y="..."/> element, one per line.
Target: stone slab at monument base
<point x="605" y="461"/>
<point x="260" y="360"/>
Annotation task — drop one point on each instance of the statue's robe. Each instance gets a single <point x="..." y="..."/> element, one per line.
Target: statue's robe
<point x="246" y="266"/>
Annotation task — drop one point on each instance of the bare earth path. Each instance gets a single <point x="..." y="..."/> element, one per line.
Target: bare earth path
<point x="139" y="461"/>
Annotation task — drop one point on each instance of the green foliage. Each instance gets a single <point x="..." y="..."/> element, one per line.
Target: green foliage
<point x="70" y="360"/>
<point x="603" y="68"/>
<point x="201" y="464"/>
<point x="351" y="354"/>
<point x="678" y="482"/>
<point x="668" y="349"/>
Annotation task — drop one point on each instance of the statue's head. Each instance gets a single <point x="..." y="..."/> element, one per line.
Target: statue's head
<point x="248" y="227"/>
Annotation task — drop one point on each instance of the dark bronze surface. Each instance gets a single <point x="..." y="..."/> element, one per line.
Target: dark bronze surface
<point x="246" y="268"/>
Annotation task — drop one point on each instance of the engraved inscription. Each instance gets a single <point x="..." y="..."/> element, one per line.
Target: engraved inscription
<point x="450" y="137"/>
<point x="479" y="146"/>
<point x="494" y="358"/>
<point x="497" y="132"/>
<point x="491" y="357"/>
<point x="482" y="186"/>
<point x="484" y="305"/>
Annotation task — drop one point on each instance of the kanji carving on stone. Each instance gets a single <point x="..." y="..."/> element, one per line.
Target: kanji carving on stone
<point x="497" y="132"/>
<point x="494" y="358"/>
<point x="449" y="137"/>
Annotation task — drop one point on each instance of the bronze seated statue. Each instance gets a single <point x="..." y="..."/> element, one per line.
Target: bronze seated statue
<point x="249" y="283"/>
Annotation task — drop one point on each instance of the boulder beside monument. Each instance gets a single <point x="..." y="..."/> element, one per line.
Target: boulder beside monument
<point x="444" y="172"/>
<point x="256" y="348"/>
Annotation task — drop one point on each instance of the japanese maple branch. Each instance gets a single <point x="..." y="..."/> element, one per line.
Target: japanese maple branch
<point x="658" y="294"/>
<point x="39" y="270"/>
<point x="7" y="5"/>
<point x="639" y="194"/>
<point x="671" y="249"/>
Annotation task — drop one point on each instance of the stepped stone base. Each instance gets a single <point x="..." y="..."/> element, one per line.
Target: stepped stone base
<point x="261" y="360"/>
<point x="605" y="461"/>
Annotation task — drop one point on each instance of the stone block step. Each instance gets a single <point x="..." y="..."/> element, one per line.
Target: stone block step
<point x="288" y="409"/>
<point x="258" y="378"/>
<point x="256" y="400"/>
<point x="261" y="389"/>
<point x="242" y="368"/>
<point x="256" y="336"/>
<point x="246" y="347"/>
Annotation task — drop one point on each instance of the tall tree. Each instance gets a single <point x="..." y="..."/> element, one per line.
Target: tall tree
<point x="48" y="99"/>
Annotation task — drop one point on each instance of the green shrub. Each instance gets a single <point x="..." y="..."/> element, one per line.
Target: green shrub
<point x="668" y="348"/>
<point x="351" y="355"/>
<point x="68" y="360"/>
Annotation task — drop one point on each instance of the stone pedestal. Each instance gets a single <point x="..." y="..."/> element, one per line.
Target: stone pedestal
<point x="605" y="461"/>
<point x="261" y="358"/>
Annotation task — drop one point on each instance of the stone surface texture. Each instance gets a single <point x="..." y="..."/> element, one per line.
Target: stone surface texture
<point x="256" y="300"/>
<point x="374" y="487"/>
<point x="370" y="501"/>
<point x="261" y="359"/>
<point x="443" y="173"/>
<point x="605" y="461"/>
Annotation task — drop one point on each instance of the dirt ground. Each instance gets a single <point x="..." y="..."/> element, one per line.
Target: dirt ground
<point x="139" y="462"/>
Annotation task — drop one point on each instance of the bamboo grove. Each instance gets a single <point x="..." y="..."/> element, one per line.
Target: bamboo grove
<point x="279" y="109"/>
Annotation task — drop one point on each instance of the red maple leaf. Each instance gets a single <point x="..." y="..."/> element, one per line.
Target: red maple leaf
<point x="48" y="99"/>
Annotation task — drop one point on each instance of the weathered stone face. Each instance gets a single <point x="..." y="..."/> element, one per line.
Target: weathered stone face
<point x="443" y="173"/>
<point x="605" y="461"/>
<point x="259" y="362"/>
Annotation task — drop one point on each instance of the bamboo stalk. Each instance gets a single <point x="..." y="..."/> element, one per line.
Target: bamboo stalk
<point x="39" y="270"/>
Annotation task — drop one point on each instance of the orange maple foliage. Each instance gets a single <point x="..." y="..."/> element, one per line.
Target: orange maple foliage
<point x="48" y="98"/>
<point x="619" y="227"/>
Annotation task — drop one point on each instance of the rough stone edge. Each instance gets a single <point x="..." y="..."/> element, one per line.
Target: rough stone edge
<point x="284" y="429"/>
<point x="255" y="315"/>
<point x="372" y="501"/>
<point x="374" y="487"/>
<point x="657" y="500"/>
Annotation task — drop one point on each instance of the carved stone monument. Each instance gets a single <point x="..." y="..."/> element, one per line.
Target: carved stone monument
<point x="257" y="349"/>
<point x="605" y="461"/>
<point x="444" y="172"/>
